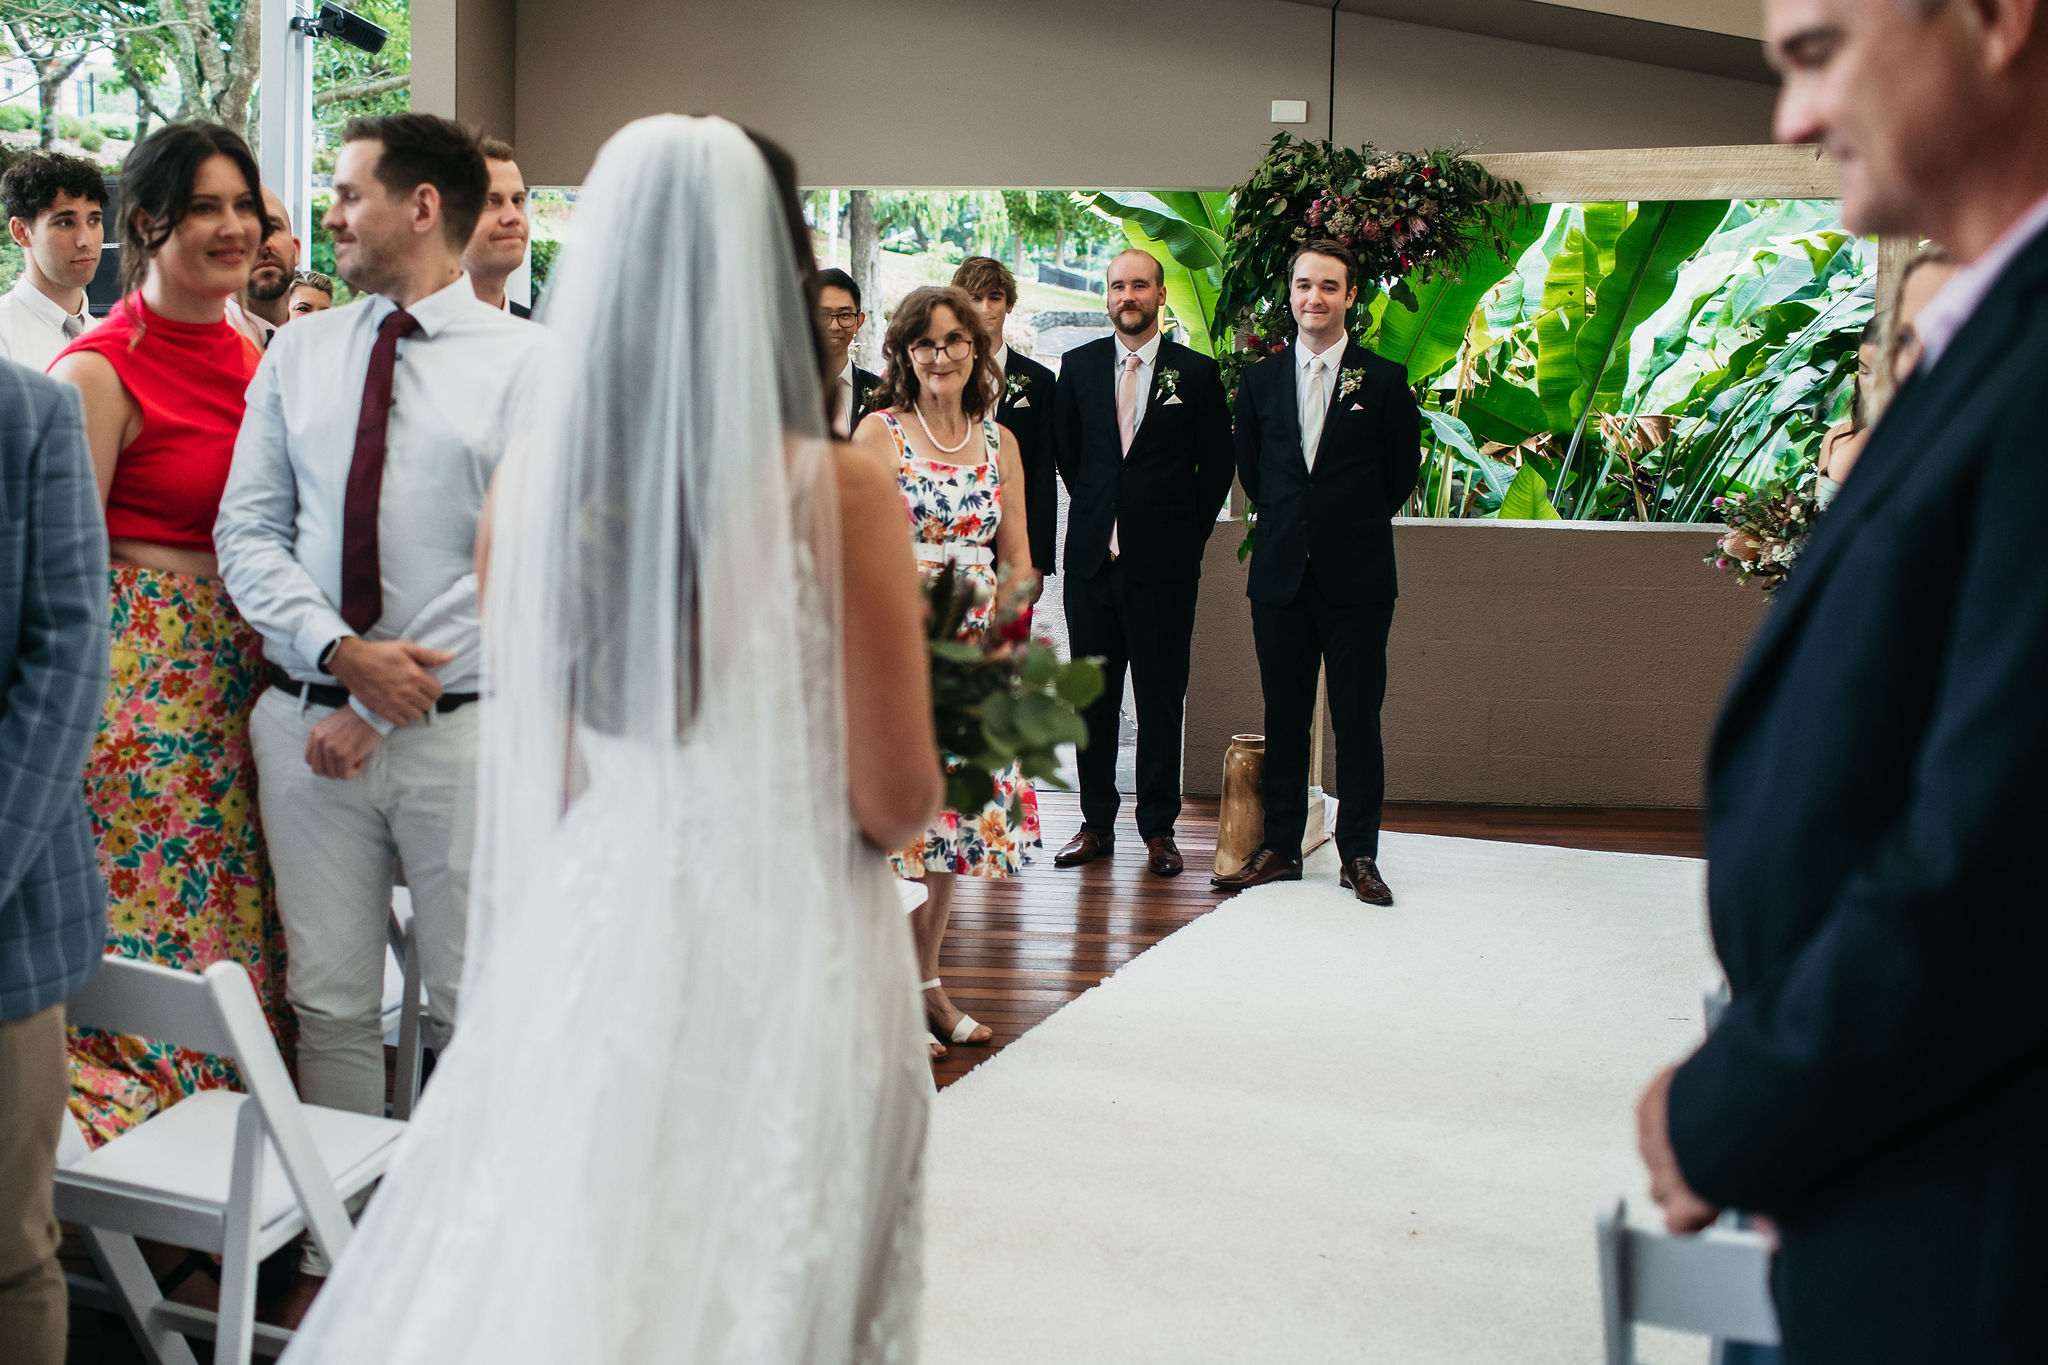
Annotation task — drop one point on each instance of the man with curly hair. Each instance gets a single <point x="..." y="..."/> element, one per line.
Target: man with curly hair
<point x="55" y="208"/>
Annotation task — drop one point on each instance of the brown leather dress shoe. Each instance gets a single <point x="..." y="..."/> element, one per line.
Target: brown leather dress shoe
<point x="1164" y="859"/>
<point x="1265" y="866"/>
<point x="1361" y="876"/>
<point x="1084" y="847"/>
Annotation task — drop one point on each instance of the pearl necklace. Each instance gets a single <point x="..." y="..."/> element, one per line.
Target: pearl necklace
<point x="937" y="444"/>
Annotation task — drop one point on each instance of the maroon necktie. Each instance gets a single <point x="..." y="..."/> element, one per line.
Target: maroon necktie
<point x="362" y="585"/>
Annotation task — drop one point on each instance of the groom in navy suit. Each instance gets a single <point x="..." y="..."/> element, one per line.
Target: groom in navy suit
<point x="1328" y="444"/>
<point x="1878" y="1084"/>
<point x="1142" y="438"/>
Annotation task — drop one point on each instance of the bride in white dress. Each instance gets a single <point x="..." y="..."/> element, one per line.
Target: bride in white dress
<point x="683" y="1116"/>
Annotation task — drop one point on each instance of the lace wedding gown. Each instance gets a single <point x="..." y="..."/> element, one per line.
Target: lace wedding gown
<point x="683" y="1113"/>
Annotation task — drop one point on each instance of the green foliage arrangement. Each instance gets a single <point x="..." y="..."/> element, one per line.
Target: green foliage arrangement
<point x="1410" y="217"/>
<point x="1004" y="697"/>
<point x="1767" y="529"/>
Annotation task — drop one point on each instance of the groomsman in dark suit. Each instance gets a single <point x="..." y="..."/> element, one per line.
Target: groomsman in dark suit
<point x="1328" y="444"/>
<point x="1026" y="405"/>
<point x="1142" y="437"/>
<point x="1878" y="1084"/>
<point x="840" y="319"/>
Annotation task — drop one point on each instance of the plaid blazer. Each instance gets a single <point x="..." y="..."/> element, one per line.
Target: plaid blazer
<point x="53" y="682"/>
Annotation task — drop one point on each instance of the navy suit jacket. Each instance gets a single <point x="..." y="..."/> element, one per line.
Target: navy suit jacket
<point x="1026" y="408"/>
<point x="1341" y="511"/>
<point x="1879" y="1083"/>
<point x="1164" y="495"/>
<point x="53" y="682"/>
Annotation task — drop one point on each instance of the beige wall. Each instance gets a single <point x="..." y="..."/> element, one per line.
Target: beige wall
<point x="1115" y="93"/>
<point x="464" y="53"/>
<point x="1406" y="85"/>
<point x="1530" y="664"/>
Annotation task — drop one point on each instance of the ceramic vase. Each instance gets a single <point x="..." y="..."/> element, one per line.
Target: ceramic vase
<point x="1241" y="818"/>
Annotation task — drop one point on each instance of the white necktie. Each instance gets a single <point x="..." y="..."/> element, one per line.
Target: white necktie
<point x="1314" y="404"/>
<point x="843" y="417"/>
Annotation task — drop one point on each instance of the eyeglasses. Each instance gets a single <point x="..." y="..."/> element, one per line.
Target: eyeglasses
<point x="840" y="317"/>
<point x="927" y="353"/>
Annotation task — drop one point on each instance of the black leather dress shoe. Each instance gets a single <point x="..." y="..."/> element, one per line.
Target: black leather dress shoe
<point x="1084" y="847"/>
<point x="1265" y="866"/>
<point x="1361" y="876"/>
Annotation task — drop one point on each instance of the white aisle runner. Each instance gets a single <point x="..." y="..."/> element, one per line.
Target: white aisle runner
<point x="1306" y="1130"/>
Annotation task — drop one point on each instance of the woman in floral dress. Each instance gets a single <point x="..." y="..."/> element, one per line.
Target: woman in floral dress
<point x="171" y="783"/>
<point x="954" y="462"/>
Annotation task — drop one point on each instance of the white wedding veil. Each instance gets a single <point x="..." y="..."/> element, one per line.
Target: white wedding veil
<point x="666" y="557"/>
<point x="683" y="1110"/>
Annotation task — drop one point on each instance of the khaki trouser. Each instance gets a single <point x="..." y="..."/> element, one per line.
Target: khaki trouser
<point x="335" y="847"/>
<point x="34" y="1081"/>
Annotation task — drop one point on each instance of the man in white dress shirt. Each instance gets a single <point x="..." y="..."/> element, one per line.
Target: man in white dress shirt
<point x="346" y="536"/>
<point x="55" y="208"/>
<point x="498" y="246"/>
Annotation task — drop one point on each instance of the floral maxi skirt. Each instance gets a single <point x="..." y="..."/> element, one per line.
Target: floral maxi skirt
<point x="171" y="784"/>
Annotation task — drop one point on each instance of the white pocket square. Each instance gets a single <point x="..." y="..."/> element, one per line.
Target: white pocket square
<point x="1171" y="399"/>
<point x="1023" y="402"/>
<point x="1358" y="407"/>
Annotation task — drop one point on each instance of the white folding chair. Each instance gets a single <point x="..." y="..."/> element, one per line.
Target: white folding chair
<point x="404" y="1002"/>
<point x="1714" y="1283"/>
<point x="237" y="1176"/>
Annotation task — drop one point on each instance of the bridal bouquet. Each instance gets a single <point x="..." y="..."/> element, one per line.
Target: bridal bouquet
<point x="1000" y="697"/>
<point x="1767" y="528"/>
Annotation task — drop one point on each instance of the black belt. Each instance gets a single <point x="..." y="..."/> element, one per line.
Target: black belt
<point x="321" y="694"/>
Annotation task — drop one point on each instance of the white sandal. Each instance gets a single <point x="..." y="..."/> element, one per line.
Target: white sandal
<point x="964" y="1030"/>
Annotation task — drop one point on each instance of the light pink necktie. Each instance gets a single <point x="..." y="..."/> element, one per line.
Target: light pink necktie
<point x="1126" y="418"/>
<point x="1127" y="400"/>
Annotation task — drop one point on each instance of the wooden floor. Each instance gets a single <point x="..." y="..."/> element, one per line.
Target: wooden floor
<point x="1021" y="948"/>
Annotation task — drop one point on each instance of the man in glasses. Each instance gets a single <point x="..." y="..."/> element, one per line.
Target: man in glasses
<point x="840" y="319"/>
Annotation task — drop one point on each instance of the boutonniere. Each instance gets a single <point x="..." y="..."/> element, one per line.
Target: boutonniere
<point x="1169" y="383"/>
<point x="864" y="396"/>
<point x="1348" y="382"/>
<point x="1016" y="384"/>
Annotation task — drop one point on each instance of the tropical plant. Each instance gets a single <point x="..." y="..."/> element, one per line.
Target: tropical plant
<point x="1643" y="359"/>
<point x="1188" y="233"/>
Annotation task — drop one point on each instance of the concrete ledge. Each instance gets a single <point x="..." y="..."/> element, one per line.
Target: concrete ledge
<point x="1531" y="663"/>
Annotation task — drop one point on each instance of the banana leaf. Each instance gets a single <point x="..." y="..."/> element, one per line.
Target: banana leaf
<point x="1426" y="338"/>
<point x="1503" y="412"/>
<point x="1570" y="281"/>
<point x="1647" y="260"/>
<point x="1456" y="435"/>
<point x="1527" y="498"/>
<point x="1191" y="245"/>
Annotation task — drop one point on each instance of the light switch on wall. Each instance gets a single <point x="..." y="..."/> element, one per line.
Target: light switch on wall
<point x="1290" y="111"/>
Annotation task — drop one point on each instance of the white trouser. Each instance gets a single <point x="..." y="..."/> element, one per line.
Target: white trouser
<point x="334" y="848"/>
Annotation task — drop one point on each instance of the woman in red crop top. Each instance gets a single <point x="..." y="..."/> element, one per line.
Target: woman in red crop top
<point x="171" y="781"/>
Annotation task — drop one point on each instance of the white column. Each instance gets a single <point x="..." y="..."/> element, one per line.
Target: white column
<point x="285" y="114"/>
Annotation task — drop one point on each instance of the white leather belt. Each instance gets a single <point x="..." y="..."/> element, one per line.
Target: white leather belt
<point x="952" y="553"/>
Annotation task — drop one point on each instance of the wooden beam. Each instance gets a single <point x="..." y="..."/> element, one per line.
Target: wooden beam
<point x="1764" y="172"/>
